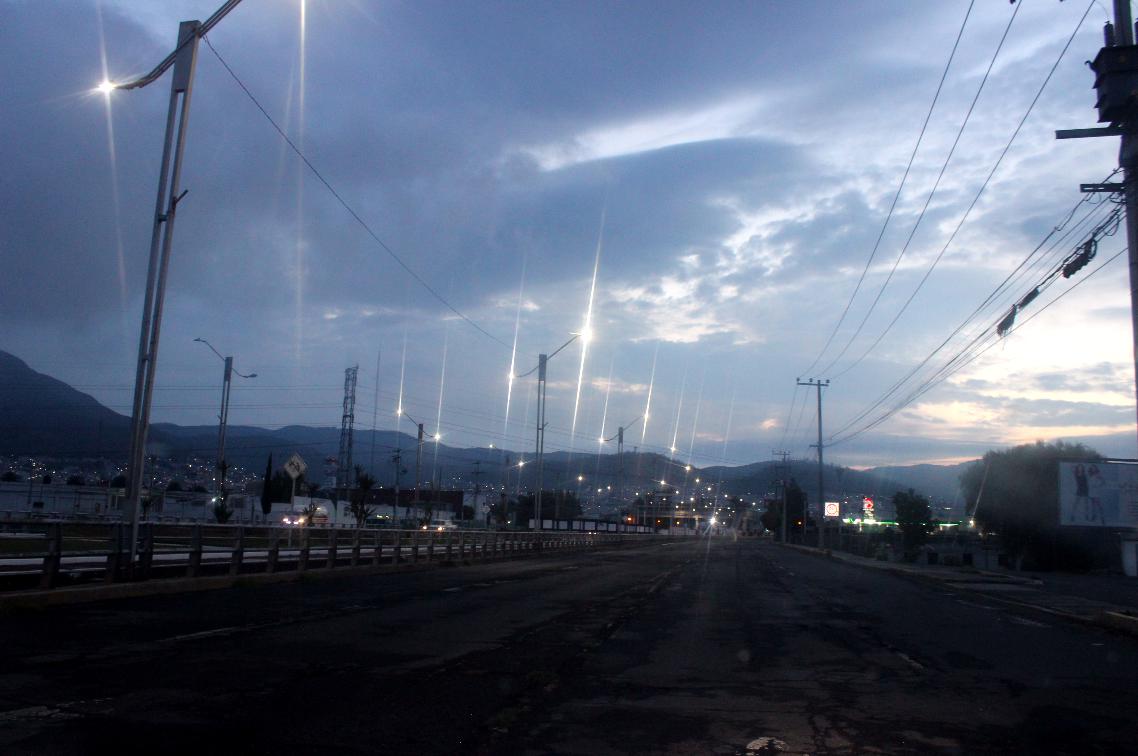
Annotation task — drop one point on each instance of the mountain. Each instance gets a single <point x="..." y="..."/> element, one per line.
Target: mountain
<point x="40" y="415"/>
<point x="937" y="481"/>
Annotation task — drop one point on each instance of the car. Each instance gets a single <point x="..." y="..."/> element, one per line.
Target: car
<point x="440" y="525"/>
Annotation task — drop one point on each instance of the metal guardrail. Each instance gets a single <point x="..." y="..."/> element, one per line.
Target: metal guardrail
<point x="52" y="554"/>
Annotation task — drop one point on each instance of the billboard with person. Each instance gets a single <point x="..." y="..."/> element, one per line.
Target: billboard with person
<point x="1098" y="494"/>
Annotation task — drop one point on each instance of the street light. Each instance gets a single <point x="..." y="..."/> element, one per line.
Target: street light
<point x="223" y="415"/>
<point x="542" y="362"/>
<point x="418" y="452"/>
<point x="183" y="60"/>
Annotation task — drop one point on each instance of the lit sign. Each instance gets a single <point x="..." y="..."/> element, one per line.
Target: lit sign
<point x="833" y="509"/>
<point x="867" y="506"/>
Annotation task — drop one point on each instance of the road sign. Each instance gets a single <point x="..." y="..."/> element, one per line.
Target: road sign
<point x="295" y="467"/>
<point x="833" y="509"/>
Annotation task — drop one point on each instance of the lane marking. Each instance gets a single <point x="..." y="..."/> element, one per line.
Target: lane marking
<point x="916" y="664"/>
<point x="1028" y="622"/>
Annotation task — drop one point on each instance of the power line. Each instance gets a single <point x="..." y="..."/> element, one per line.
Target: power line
<point x="1003" y="286"/>
<point x="896" y="195"/>
<point x="967" y="356"/>
<point x="932" y="191"/>
<point x="346" y="206"/>
<point x="975" y="199"/>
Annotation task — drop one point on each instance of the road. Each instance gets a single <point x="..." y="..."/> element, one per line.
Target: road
<point x="682" y="648"/>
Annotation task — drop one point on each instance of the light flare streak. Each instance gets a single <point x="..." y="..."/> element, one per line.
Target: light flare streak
<point x="442" y="388"/>
<point x="604" y="418"/>
<point x="300" y="175"/>
<point x="648" y="404"/>
<point x="587" y="330"/>
<point x="106" y="87"/>
<point x="514" y="348"/>
<point x="695" y="420"/>
<point x="679" y="411"/>
<point x="402" y="373"/>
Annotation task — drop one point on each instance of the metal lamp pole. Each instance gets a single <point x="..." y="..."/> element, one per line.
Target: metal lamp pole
<point x="183" y="60"/>
<point x="418" y="455"/>
<point x="223" y="416"/>
<point x="542" y="363"/>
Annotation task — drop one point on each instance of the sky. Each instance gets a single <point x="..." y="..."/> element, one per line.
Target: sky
<point x="712" y="178"/>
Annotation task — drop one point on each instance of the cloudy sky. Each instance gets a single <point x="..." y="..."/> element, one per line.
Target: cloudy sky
<point x="724" y="169"/>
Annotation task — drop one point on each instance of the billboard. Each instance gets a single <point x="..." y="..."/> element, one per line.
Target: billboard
<point x="833" y="509"/>
<point x="1098" y="494"/>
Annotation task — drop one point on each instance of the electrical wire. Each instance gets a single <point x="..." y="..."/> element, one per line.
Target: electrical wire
<point x="343" y="203"/>
<point x="976" y="198"/>
<point x="932" y="192"/>
<point x="967" y="356"/>
<point x="897" y="194"/>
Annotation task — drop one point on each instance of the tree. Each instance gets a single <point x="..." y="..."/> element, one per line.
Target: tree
<point x="46" y="479"/>
<point x="359" y="507"/>
<point x="10" y="477"/>
<point x="310" y="511"/>
<point x="119" y="481"/>
<point x="772" y="517"/>
<point x="796" y="502"/>
<point x="1020" y="503"/>
<point x="915" y="519"/>
<point x="174" y="486"/>
<point x="75" y="480"/>
<point x="221" y="512"/>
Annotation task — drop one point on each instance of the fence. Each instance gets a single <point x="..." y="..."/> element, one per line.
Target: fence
<point x="51" y="554"/>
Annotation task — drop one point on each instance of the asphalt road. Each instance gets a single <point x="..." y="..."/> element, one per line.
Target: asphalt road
<point x="683" y="648"/>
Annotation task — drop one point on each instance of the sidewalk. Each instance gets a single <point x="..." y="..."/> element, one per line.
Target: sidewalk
<point x="1114" y="604"/>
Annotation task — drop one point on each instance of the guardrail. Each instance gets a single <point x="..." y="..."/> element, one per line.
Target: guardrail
<point x="53" y="554"/>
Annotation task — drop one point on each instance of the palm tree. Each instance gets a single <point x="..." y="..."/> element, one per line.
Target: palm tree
<point x="359" y="507"/>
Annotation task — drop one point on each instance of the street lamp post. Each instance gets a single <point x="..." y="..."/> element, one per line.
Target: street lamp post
<point x="223" y="416"/>
<point x="620" y="457"/>
<point x="418" y="455"/>
<point x="183" y="60"/>
<point x="542" y="363"/>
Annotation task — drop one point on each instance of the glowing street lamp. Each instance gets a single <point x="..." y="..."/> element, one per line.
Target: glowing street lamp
<point x="223" y="415"/>
<point x="418" y="453"/>
<point x="542" y="363"/>
<point x="183" y="60"/>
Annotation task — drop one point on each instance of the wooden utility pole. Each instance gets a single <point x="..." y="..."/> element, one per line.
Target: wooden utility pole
<point x="819" y="384"/>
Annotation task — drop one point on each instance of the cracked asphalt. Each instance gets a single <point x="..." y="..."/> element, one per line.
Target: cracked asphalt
<point x="717" y="646"/>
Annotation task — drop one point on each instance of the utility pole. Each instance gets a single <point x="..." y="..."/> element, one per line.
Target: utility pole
<point x="542" y="361"/>
<point x="374" y="414"/>
<point x="419" y="464"/>
<point x="397" y="458"/>
<point x="184" y="60"/>
<point x="1115" y="71"/>
<point x="223" y="418"/>
<point x="819" y="384"/>
<point x="781" y="472"/>
<point x="477" y="475"/>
